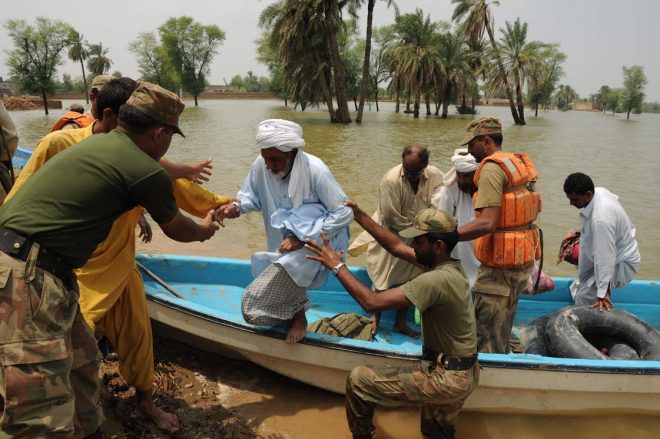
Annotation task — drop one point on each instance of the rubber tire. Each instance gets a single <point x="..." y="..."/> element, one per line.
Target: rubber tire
<point x="566" y="331"/>
<point x="532" y="340"/>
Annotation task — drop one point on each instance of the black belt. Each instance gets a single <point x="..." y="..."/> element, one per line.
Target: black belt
<point x="18" y="247"/>
<point x="447" y="362"/>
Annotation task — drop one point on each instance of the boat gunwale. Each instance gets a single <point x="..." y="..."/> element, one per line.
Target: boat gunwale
<point x="498" y="361"/>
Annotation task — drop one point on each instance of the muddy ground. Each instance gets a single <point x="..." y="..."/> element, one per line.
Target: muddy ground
<point x="186" y="384"/>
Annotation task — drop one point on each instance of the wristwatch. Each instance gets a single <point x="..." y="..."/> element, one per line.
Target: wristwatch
<point x="336" y="268"/>
<point x="238" y="206"/>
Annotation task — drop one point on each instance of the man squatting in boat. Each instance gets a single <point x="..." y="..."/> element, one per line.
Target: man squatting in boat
<point x="298" y="197"/>
<point x="50" y="381"/>
<point x="609" y="255"/>
<point x="449" y="371"/>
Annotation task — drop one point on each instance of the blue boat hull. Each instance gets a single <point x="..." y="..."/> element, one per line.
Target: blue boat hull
<point x="211" y="312"/>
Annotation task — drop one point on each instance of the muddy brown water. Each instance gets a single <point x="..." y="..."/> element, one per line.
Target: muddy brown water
<point x="618" y="154"/>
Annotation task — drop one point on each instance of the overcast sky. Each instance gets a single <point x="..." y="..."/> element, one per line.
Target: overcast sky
<point x="598" y="36"/>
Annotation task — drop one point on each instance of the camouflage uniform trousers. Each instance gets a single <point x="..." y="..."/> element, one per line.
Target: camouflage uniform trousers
<point x="440" y="393"/>
<point x="49" y="379"/>
<point x="496" y="292"/>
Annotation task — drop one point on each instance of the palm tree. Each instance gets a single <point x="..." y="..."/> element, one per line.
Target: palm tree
<point x="476" y="17"/>
<point x="78" y="52"/>
<point x="415" y="57"/>
<point x="296" y="34"/>
<point x="455" y="58"/>
<point x="518" y="56"/>
<point x="367" y="58"/>
<point x="98" y="62"/>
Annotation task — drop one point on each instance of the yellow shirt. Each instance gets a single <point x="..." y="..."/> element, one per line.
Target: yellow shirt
<point x="106" y="274"/>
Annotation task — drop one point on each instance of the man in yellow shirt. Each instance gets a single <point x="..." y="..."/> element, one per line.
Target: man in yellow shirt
<point x="112" y="298"/>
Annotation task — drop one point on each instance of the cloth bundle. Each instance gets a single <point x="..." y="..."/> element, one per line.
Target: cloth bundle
<point x="569" y="250"/>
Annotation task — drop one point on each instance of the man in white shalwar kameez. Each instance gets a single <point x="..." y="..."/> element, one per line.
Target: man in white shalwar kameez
<point x="609" y="254"/>
<point x="299" y="198"/>
<point x="455" y="197"/>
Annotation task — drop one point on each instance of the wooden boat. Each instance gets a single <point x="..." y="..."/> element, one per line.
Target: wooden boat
<point x="209" y="315"/>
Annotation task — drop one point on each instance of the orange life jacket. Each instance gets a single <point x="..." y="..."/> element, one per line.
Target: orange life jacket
<point x="82" y="120"/>
<point x="515" y="242"/>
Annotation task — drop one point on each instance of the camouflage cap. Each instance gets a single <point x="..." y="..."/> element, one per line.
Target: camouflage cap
<point x="100" y="81"/>
<point x="159" y="104"/>
<point x="482" y="126"/>
<point x="431" y="221"/>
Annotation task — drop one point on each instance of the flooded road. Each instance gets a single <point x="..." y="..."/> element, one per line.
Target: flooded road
<point x="618" y="154"/>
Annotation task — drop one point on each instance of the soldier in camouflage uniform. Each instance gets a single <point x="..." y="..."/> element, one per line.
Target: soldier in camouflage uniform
<point x="449" y="371"/>
<point x="49" y="375"/>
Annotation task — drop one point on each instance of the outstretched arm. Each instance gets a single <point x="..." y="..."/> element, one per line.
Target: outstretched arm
<point x="196" y="172"/>
<point x="368" y="299"/>
<point x="388" y="240"/>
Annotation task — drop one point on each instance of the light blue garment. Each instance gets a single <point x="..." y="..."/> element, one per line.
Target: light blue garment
<point x="323" y="210"/>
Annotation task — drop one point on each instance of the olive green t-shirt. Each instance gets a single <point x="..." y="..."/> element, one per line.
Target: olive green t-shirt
<point x="443" y="298"/>
<point x="70" y="204"/>
<point x="492" y="181"/>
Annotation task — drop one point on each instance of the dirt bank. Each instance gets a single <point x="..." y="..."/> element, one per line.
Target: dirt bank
<point x="187" y="383"/>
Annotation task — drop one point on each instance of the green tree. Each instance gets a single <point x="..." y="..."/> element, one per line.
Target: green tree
<point x="632" y="94"/>
<point x="455" y="58"/>
<point x="237" y="81"/>
<point x="153" y="62"/>
<point x="599" y="98"/>
<point x="543" y="74"/>
<point x="364" y="85"/>
<point x="191" y="47"/>
<point x="414" y="57"/>
<point x="37" y="53"/>
<point x="67" y="83"/>
<point x="612" y="100"/>
<point x="380" y="72"/>
<point x="295" y="41"/>
<point x="565" y="96"/>
<point x="78" y="53"/>
<point x="475" y="16"/>
<point x="518" y="56"/>
<point x="98" y="62"/>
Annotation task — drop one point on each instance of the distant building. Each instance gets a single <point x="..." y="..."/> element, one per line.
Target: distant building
<point x="221" y="89"/>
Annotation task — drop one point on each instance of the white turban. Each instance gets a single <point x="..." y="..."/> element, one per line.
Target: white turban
<point x="463" y="162"/>
<point x="287" y="136"/>
<point x="279" y="133"/>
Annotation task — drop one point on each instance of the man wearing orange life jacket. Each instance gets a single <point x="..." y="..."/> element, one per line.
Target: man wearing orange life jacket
<point x="72" y="120"/>
<point x="506" y="239"/>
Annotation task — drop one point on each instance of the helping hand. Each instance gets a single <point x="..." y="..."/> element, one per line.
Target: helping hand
<point x="145" y="229"/>
<point x="326" y="255"/>
<point x="290" y="244"/>
<point x="198" y="172"/>
<point x="209" y="226"/>
<point x="226" y="211"/>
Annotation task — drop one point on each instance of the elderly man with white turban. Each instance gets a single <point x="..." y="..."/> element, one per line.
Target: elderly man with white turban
<point x="299" y="198"/>
<point x="455" y="197"/>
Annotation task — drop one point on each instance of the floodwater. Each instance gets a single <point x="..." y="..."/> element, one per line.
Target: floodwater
<point x="618" y="154"/>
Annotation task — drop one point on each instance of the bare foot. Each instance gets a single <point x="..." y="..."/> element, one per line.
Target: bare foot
<point x="166" y="422"/>
<point x="402" y="328"/>
<point x="297" y="328"/>
<point x="375" y="320"/>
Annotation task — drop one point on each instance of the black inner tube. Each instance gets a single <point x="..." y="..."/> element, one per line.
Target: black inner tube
<point x="568" y="330"/>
